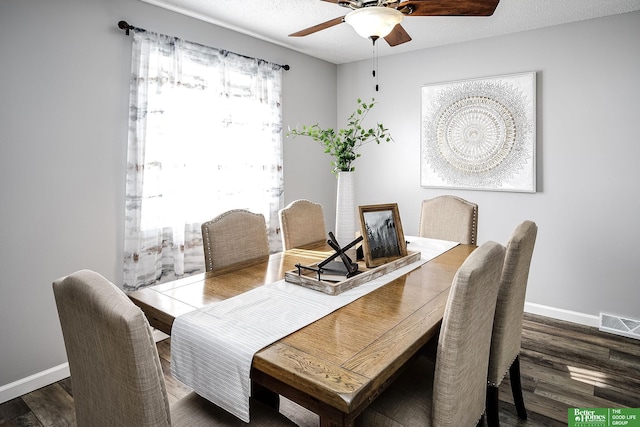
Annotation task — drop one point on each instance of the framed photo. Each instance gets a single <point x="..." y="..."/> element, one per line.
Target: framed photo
<point x="383" y="238"/>
<point x="480" y="134"/>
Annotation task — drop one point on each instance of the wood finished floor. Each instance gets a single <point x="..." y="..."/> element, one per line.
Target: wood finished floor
<point x="563" y="365"/>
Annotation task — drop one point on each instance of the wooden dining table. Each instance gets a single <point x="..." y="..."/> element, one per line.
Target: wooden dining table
<point x="337" y="365"/>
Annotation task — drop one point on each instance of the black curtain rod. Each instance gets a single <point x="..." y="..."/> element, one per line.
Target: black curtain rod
<point x="124" y="25"/>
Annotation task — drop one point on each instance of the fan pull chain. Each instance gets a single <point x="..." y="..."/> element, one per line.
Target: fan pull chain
<point x="375" y="62"/>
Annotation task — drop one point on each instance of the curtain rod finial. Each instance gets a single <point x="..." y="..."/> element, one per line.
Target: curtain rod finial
<point x="124" y="25"/>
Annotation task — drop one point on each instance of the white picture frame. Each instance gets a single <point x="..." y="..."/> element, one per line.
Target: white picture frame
<point x="480" y="134"/>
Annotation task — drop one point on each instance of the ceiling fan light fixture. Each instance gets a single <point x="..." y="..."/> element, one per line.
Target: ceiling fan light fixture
<point x="373" y="22"/>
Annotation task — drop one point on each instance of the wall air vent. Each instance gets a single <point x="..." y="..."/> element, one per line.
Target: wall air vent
<point x="620" y="325"/>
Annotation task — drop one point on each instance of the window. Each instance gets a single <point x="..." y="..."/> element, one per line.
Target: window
<point x="205" y="136"/>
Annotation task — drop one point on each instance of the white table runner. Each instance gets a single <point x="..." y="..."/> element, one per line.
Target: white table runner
<point x="212" y="348"/>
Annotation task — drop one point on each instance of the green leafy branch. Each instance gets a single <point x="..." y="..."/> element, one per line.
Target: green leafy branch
<point x="343" y="145"/>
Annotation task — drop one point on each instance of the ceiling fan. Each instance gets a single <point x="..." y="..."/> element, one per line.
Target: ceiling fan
<point x="381" y="18"/>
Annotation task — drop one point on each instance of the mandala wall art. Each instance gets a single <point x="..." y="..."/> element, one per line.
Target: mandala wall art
<point x="480" y="134"/>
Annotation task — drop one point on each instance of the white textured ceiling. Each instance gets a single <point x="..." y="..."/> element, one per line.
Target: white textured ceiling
<point x="273" y="20"/>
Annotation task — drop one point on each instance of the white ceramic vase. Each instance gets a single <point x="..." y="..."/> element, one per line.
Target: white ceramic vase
<point x="345" y="230"/>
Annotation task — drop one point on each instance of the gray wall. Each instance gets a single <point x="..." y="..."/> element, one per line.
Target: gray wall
<point x="63" y="118"/>
<point x="64" y="83"/>
<point x="588" y="146"/>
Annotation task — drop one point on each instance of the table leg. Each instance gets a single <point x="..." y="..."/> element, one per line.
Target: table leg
<point x="326" y="421"/>
<point x="329" y="416"/>
<point x="266" y="396"/>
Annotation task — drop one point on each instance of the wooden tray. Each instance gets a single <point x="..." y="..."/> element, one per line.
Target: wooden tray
<point x="308" y="279"/>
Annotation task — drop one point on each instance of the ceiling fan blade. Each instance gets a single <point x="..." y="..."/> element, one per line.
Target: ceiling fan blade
<point x="448" y="7"/>
<point x="318" y="27"/>
<point x="397" y="36"/>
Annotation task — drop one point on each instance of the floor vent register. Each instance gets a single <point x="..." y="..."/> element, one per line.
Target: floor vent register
<point x="620" y="325"/>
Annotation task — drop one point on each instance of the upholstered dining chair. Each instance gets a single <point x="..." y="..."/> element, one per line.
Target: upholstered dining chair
<point x="449" y="218"/>
<point x="507" y="326"/>
<point x="301" y="223"/>
<point x="116" y="374"/>
<point x="450" y="392"/>
<point x="235" y="236"/>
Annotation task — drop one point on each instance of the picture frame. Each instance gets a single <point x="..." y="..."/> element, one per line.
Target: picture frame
<point x="480" y="134"/>
<point x="382" y="236"/>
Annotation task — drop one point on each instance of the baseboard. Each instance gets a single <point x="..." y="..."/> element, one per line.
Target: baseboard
<point x="57" y="373"/>
<point x="159" y="335"/>
<point x="561" y="314"/>
<point x="44" y="378"/>
<point x="33" y="382"/>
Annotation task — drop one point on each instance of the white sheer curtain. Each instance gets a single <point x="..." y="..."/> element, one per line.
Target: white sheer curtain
<point x="205" y="136"/>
